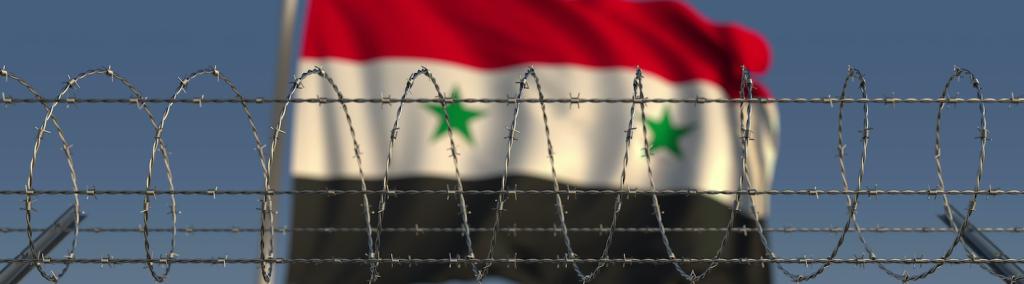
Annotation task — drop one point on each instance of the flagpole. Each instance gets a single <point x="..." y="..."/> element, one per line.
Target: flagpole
<point x="283" y="74"/>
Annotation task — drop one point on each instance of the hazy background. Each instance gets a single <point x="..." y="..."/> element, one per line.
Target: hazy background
<point x="905" y="49"/>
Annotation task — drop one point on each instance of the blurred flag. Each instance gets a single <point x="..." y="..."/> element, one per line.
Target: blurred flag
<point x="480" y="49"/>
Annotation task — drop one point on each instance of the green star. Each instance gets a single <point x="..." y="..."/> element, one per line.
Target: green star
<point x="458" y="116"/>
<point x="665" y="135"/>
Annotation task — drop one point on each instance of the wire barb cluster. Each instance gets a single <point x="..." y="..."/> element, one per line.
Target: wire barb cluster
<point x="50" y="117"/>
<point x="374" y="210"/>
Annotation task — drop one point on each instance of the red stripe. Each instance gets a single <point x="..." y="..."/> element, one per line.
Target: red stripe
<point x="667" y="38"/>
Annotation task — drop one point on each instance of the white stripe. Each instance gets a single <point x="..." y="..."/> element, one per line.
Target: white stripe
<point x="588" y="141"/>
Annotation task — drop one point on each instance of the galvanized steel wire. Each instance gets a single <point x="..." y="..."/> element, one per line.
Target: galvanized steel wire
<point x="373" y="214"/>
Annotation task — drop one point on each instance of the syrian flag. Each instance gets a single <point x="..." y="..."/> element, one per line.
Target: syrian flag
<point x="481" y="50"/>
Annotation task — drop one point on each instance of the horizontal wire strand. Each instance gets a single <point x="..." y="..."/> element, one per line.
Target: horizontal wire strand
<point x="812" y="100"/>
<point x="515" y="229"/>
<point x="454" y="260"/>
<point x="513" y="192"/>
<point x="267" y="259"/>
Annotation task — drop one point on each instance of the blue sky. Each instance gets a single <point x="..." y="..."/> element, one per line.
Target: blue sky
<point x="905" y="49"/>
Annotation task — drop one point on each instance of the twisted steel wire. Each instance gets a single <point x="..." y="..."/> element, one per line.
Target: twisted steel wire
<point x="423" y="71"/>
<point x="110" y="260"/>
<point x="52" y="277"/>
<point x="502" y="198"/>
<point x="983" y="138"/>
<point x="852" y="203"/>
<point x="516" y="229"/>
<point x="503" y="195"/>
<point x="158" y="143"/>
<point x="559" y="207"/>
<point x="357" y="154"/>
<point x="182" y="87"/>
<point x="267" y="208"/>
<point x="1012" y="279"/>
<point x="574" y="100"/>
<point x="817" y="193"/>
<point x="638" y="92"/>
<point x="480" y="266"/>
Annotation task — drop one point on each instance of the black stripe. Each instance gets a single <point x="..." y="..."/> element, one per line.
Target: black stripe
<point x="439" y="210"/>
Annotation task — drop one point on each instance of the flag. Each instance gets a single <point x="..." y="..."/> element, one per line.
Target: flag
<point x="480" y="50"/>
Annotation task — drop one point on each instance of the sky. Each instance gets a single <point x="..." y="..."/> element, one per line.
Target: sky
<point x="904" y="49"/>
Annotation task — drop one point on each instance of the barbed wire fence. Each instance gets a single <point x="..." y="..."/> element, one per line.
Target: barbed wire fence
<point x="159" y="264"/>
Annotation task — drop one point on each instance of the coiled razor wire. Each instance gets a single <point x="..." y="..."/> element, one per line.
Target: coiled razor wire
<point x="386" y="100"/>
<point x="369" y="229"/>
<point x="972" y="203"/>
<point x="480" y="266"/>
<point x="110" y="260"/>
<point x="638" y="92"/>
<point x="514" y="230"/>
<point x="503" y="197"/>
<point x="852" y="203"/>
<point x="53" y="277"/>
<point x="811" y="192"/>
